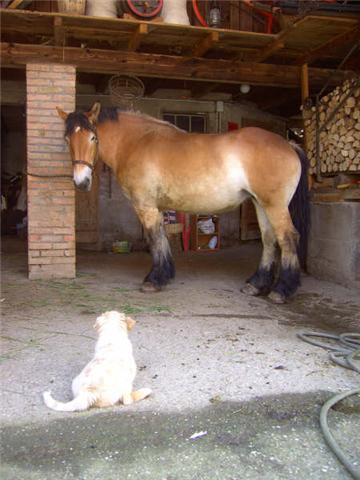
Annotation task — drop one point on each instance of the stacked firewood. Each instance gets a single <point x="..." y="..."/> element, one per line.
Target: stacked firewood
<point x="340" y="137"/>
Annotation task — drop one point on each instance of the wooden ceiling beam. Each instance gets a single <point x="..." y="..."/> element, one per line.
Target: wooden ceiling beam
<point x="15" y="4"/>
<point x="279" y="42"/>
<point x="136" y="38"/>
<point x="312" y="55"/>
<point x="205" y="45"/>
<point x="166" y="66"/>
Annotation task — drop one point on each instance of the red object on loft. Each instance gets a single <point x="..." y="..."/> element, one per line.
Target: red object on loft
<point x="132" y="5"/>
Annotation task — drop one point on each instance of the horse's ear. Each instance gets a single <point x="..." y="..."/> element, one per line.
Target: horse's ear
<point x="94" y="112"/>
<point x="62" y="114"/>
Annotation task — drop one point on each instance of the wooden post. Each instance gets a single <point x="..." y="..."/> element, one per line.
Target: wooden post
<point x="304" y="96"/>
<point x="304" y="82"/>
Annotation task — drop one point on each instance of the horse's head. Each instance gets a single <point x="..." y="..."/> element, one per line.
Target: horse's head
<point x="80" y="134"/>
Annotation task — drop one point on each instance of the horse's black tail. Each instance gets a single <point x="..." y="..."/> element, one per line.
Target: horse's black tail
<point x="300" y="207"/>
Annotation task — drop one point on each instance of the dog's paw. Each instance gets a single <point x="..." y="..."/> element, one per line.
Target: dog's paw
<point x="141" y="394"/>
<point x="146" y="392"/>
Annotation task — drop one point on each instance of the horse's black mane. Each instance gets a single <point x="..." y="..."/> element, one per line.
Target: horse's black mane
<point x="109" y="113"/>
<point x="79" y="119"/>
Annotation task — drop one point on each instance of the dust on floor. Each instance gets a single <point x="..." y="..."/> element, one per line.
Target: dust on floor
<point x="205" y="349"/>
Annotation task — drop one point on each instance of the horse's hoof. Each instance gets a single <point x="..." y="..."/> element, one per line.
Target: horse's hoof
<point x="148" y="287"/>
<point x="277" y="298"/>
<point x="250" y="289"/>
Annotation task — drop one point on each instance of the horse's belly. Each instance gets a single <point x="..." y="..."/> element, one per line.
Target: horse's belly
<point x="209" y="201"/>
<point x="216" y="190"/>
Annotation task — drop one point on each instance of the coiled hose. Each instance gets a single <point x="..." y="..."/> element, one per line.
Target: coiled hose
<point x="343" y="353"/>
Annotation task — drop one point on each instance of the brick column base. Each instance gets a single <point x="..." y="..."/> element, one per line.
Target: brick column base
<point x="51" y="201"/>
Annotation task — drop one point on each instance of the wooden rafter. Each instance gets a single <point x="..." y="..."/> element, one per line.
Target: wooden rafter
<point x="279" y="42"/>
<point x="136" y="38"/>
<point x="324" y="48"/>
<point x="205" y="45"/>
<point x="15" y="3"/>
<point x="304" y="82"/>
<point x="166" y="66"/>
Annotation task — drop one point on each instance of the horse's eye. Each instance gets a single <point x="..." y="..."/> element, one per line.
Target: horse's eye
<point x="93" y="138"/>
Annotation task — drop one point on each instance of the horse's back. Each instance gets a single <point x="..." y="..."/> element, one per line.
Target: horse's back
<point x="213" y="172"/>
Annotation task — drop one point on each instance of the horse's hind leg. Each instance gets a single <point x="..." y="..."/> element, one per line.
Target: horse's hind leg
<point x="287" y="238"/>
<point x="261" y="281"/>
<point x="163" y="268"/>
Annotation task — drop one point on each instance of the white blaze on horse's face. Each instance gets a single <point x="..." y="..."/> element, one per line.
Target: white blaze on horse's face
<point x="83" y="151"/>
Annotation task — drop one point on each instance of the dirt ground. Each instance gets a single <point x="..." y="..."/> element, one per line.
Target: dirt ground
<point x="217" y="361"/>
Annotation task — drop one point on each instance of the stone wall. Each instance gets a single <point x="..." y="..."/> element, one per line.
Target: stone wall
<point x="334" y="243"/>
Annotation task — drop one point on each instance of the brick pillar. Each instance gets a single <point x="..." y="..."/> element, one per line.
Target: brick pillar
<point x="51" y="201"/>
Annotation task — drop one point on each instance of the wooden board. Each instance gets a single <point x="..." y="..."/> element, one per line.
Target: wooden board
<point x="96" y="32"/>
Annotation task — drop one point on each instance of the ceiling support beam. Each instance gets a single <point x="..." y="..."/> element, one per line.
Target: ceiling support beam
<point x="325" y="48"/>
<point x="138" y="35"/>
<point x="279" y="42"/>
<point x="304" y="82"/>
<point x="205" y="45"/>
<point x="166" y="66"/>
<point x="14" y="4"/>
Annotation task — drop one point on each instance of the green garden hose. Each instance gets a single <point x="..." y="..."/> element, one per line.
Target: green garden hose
<point x="343" y="354"/>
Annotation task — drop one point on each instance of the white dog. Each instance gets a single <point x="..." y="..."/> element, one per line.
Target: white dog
<point x="108" y="378"/>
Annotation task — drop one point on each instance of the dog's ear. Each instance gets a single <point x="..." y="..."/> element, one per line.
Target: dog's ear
<point x="130" y="323"/>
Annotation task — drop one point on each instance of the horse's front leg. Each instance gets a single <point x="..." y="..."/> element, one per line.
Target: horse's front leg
<point x="163" y="269"/>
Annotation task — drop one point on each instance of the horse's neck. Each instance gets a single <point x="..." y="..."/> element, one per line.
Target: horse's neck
<point x="117" y="140"/>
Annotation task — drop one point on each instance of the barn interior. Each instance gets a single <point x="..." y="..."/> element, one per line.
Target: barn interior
<point x="223" y="366"/>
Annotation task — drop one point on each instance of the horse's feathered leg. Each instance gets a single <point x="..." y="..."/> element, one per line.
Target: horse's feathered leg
<point x="261" y="281"/>
<point x="287" y="238"/>
<point x="163" y="269"/>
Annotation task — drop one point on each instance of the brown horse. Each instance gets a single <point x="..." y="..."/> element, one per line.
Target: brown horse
<point x="160" y="167"/>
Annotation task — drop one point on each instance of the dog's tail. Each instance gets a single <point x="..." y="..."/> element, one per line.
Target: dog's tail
<point x="82" y="402"/>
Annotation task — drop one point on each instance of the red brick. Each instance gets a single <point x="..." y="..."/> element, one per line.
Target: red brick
<point x="64" y="245"/>
<point x="52" y="253"/>
<point x="48" y="271"/>
<point x="51" y="200"/>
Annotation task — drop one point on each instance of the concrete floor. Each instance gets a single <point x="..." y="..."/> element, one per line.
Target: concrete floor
<point x="218" y="362"/>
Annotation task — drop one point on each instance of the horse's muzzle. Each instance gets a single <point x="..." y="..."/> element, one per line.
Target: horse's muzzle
<point x="82" y="177"/>
<point x="84" y="185"/>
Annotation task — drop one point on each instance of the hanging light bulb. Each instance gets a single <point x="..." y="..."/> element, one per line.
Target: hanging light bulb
<point x="244" y="88"/>
<point x="215" y="16"/>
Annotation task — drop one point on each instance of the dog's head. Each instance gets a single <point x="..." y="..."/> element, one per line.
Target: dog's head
<point x="114" y="319"/>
